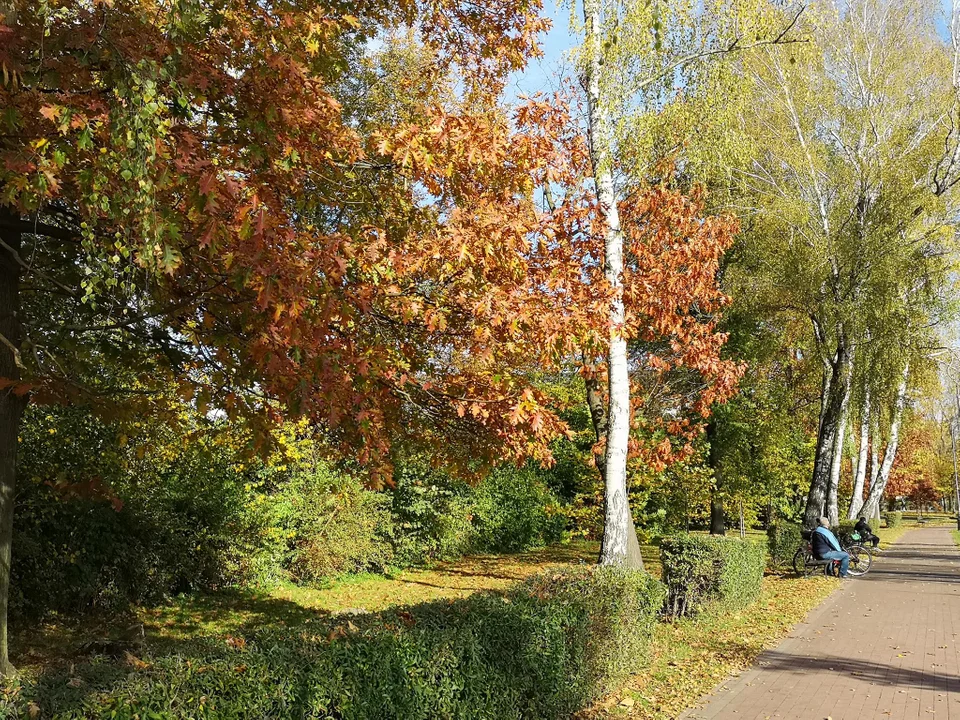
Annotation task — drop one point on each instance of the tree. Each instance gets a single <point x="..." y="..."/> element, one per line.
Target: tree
<point x="199" y="195"/>
<point x="852" y="220"/>
<point x="635" y="59"/>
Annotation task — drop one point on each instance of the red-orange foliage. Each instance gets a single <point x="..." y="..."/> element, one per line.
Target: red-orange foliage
<point x="192" y="183"/>
<point x="918" y="468"/>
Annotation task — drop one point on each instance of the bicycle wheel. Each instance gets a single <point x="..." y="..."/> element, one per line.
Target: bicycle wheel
<point x="860" y="560"/>
<point x="800" y="561"/>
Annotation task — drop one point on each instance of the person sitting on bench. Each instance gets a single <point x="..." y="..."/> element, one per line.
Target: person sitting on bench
<point x="866" y="533"/>
<point x="827" y="547"/>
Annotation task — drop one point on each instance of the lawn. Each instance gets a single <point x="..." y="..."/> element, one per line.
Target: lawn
<point x="689" y="656"/>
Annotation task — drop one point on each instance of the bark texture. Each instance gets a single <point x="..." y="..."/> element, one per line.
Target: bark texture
<point x="619" y="546"/>
<point x="836" y="386"/>
<point x="860" y="470"/>
<point x="11" y="410"/>
<point x="871" y="508"/>
<point x="836" y="463"/>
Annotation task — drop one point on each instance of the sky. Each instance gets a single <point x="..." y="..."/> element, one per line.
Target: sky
<point x="541" y="75"/>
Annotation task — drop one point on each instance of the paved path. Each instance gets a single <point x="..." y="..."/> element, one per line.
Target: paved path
<point x="884" y="646"/>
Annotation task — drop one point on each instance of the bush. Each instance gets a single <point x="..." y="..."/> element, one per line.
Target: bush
<point x="844" y="529"/>
<point x="893" y="519"/>
<point x="698" y="569"/>
<point x="100" y="524"/>
<point x="783" y="539"/>
<point x="513" y="511"/>
<point x="336" y="526"/>
<point x="431" y="514"/>
<point x="546" y="649"/>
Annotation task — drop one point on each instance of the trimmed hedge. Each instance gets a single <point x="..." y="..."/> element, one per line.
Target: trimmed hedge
<point x="893" y="519"/>
<point x="544" y="650"/>
<point x="844" y="528"/>
<point x="698" y="569"/>
<point x="783" y="539"/>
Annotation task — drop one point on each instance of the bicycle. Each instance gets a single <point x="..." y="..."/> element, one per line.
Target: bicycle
<point x="805" y="564"/>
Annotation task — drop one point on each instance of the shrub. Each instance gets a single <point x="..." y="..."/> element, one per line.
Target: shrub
<point x="546" y="649"/>
<point x="698" y="569"/>
<point x="844" y="529"/>
<point x="513" y="511"/>
<point x="100" y="524"/>
<point x="893" y="519"/>
<point x="431" y="514"/>
<point x="335" y="525"/>
<point x="783" y="540"/>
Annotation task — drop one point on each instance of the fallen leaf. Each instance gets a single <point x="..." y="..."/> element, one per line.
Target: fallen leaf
<point x="133" y="661"/>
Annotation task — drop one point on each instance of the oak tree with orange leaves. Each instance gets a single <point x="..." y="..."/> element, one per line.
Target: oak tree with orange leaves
<point x="235" y="201"/>
<point x="209" y="197"/>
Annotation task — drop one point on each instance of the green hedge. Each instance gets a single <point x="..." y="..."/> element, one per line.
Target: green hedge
<point x="844" y="528"/>
<point x="783" y="539"/>
<point x="893" y="519"/>
<point x="544" y="650"/>
<point x="701" y="568"/>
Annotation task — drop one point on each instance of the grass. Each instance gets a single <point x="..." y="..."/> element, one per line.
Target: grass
<point x="692" y="656"/>
<point x="888" y="536"/>
<point x="689" y="657"/>
<point x="230" y="613"/>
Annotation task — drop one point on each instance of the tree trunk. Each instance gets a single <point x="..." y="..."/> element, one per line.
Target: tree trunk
<point x="871" y="508"/>
<point x="860" y="472"/>
<point x="874" y="453"/>
<point x="619" y="546"/>
<point x="833" y="487"/>
<point x="836" y="384"/>
<point x="11" y="410"/>
<point x="598" y="415"/>
<point x="718" y="524"/>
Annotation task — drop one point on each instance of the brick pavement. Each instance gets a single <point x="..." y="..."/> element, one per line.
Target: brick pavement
<point x="883" y="647"/>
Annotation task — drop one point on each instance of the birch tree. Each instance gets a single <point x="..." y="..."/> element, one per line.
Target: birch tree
<point x="850" y="225"/>
<point x="860" y="468"/>
<point x="871" y="507"/>
<point x="636" y="59"/>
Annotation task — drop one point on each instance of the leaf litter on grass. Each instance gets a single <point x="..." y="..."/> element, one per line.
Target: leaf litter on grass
<point x="690" y="657"/>
<point x="228" y="614"/>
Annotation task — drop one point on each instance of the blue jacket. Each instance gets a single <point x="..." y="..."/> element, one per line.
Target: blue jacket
<point x="824" y="541"/>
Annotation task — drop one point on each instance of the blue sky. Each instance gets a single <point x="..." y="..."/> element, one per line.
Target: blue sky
<point x="541" y="75"/>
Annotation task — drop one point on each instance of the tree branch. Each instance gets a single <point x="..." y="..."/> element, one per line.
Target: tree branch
<point x="733" y="47"/>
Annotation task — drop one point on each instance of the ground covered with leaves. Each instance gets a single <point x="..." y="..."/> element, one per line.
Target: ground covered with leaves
<point x="228" y="614"/>
<point x="688" y="656"/>
<point x="692" y="656"/>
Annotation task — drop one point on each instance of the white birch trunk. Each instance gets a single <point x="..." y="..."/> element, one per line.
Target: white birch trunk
<point x="833" y="511"/>
<point x="619" y="535"/>
<point x="860" y="474"/>
<point x="871" y="508"/>
<point x="874" y="455"/>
